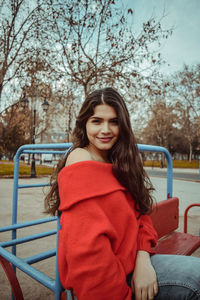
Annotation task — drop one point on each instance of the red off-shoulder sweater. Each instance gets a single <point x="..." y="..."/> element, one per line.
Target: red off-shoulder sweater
<point x="100" y="232"/>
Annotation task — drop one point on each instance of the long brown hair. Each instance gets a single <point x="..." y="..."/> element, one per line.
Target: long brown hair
<point x="124" y="155"/>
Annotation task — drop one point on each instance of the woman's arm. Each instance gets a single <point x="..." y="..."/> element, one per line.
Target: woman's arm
<point x="87" y="263"/>
<point x="147" y="236"/>
<point x="144" y="280"/>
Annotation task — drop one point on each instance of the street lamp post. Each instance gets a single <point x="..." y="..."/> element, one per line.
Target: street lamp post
<point x="45" y="106"/>
<point x="24" y="101"/>
<point x="33" y="171"/>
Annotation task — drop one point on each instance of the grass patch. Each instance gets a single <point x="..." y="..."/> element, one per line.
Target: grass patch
<point x="7" y="169"/>
<point x="194" y="164"/>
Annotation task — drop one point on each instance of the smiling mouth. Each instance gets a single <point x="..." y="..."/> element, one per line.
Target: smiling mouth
<point x="105" y="139"/>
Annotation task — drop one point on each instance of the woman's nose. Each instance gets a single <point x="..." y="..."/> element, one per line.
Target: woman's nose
<point x="105" y="127"/>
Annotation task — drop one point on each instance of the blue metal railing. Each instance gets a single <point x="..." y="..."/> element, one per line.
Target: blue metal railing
<point x="159" y="149"/>
<point x="24" y="264"/>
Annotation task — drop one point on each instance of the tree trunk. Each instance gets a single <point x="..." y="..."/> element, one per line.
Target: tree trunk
<point x="1" y="88"/>
<point x="85" y="91"/>
<point x="190" y="154"/>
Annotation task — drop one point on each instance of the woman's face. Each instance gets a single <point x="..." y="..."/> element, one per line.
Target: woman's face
<point x="102" y="128"/>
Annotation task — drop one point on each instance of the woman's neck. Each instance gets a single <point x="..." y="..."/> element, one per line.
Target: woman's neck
<point x="101" y="156"/>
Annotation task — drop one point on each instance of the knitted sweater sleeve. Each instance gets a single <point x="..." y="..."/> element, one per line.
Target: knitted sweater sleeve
<point x="147" y="236"/>
<point x="93" y="270"/>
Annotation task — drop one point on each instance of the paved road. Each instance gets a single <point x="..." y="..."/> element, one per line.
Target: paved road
<point x="192" y="175"/>
<point x="186" y="186"/>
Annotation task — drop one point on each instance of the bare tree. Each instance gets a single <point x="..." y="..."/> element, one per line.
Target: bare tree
<point x="161" y="125"/>
<point x="19" y="25"/>
<point x="97" y="45"/>
<point x="185" y="91"/>
<point x="65" y="109"/>
<point x="77" y="45"/>
<point x="15" y="129"/>
<point x="37" y="93"/>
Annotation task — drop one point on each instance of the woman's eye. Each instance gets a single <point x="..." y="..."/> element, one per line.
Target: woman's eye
<point x="96" y="121"/>
<point x="115" y="121"/>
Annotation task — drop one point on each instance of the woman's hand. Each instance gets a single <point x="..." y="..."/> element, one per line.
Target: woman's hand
<point x="144" y="280"/>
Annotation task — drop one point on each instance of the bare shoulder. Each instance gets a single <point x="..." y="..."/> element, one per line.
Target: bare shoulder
<point x="77" y="155"/>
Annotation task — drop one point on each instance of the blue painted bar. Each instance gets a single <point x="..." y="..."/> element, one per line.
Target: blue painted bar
<point x="149" y="148"/>
<point x="15" y="201"/>
<point x="11" y="257"/>
<point x="41" y="256"/>
<point x="27" y="224"/>
<point x="27" y="238"/>
<point x="58" y="283"/>
<point x="63" y="146"/>
<point x="29" y="270"/>
<point x="43" y="152"/>
<point x="23" y="186"/>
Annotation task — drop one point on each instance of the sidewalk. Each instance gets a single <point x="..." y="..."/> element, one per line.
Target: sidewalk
<point x="31" y="206"/>
<point x="177" y="170"/>
<point x="188" y="192"/>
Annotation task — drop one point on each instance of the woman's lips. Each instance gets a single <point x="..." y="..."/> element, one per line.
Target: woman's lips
<point x="105" y="139"/>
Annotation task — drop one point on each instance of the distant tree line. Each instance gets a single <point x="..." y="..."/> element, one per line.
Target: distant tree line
<point x="174" y="116"/>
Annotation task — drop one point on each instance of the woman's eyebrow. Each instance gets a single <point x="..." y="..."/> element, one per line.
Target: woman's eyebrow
<point x="94" y="117"/>
<point x="99" y="118"/>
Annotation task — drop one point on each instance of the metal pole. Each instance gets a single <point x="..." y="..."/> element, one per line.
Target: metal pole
<point x="33" y="172"/>
<point x="199" y="167"/>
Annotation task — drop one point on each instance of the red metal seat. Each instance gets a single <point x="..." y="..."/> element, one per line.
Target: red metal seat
<point x="165" y="217"/>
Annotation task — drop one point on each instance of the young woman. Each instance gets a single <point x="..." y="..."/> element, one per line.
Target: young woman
<point x="104" y="197"/>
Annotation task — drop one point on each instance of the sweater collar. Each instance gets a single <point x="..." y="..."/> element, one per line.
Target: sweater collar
<point x="84" y="180"/>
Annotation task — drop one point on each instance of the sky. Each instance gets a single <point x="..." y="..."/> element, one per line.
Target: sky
<point x="183" y="47"/>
